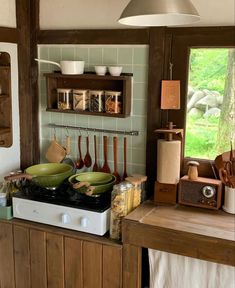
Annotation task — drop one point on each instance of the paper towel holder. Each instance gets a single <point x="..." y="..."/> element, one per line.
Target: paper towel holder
<point x="170" y="132"/>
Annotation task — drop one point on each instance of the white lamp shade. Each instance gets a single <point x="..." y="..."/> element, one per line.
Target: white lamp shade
<point x="159" y="13"/>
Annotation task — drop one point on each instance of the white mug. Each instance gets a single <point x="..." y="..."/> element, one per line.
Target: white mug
<point x="229" y="200"/>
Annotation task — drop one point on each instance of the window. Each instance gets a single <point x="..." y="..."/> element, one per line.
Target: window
<point x="210" y="117"/>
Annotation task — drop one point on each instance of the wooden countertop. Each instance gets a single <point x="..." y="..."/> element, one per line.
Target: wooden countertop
<point x="189" y="231"/>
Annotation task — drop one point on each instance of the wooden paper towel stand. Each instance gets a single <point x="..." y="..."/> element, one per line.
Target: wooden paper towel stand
<point x="164" y="192"/>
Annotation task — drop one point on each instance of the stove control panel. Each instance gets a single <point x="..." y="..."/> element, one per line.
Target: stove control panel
<point x="62" y="216"/>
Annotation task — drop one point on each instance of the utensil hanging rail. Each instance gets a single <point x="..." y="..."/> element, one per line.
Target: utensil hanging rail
<point x="123" y="132"/>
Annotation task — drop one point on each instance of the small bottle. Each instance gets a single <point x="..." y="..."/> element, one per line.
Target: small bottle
<point x="118" y="210"/>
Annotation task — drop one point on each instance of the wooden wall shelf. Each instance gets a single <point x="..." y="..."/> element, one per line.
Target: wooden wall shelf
<point x="89" y="81"/>
<point x="5" y="101"/>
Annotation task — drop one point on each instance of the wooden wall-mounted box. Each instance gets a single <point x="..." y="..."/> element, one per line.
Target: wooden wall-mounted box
<point x="165" y="193"/>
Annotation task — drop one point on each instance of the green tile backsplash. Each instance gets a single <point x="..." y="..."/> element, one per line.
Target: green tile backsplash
<point x="134" y="59"/>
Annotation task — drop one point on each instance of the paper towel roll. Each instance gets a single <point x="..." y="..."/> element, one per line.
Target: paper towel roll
<point x="168" y="161"/>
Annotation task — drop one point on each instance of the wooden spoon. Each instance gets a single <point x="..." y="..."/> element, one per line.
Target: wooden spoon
<point x="87" y="158"/>
<point x="79" y="163"/>
<point x="95" y="167"/>
<point x="105" y="168"/>
<point x="115" y="172"/>
<point x="124" y="155"/>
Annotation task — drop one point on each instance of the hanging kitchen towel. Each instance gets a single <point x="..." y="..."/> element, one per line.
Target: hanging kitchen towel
<point x="168" y="161"/>
<point x="175" y="271"/>
<point x="55" y="152"/>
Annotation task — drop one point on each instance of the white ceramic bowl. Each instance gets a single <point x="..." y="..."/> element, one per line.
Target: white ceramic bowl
<point x="100" y="70"/>
<point x="115" y="70"/>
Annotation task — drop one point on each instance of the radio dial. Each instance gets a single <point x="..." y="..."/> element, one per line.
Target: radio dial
<point x="208" y="191"/>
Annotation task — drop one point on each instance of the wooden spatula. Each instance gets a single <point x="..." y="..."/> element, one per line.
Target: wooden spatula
<point x="105" y="168"/>
<point x="115" y="172"/>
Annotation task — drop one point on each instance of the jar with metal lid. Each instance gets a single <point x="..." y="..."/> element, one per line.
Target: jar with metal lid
<point x="80" y="99"/>
<point x="113" y="102"/>
<point x="118" y="210"/>
<point x="64" y="99"/>
<point x="136" y="190"/>
<point x="96" y="101"/>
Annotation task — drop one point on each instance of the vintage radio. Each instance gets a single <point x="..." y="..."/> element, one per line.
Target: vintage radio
<point x="203" y="192"/>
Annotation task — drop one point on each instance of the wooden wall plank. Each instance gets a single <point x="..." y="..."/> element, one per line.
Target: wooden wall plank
<point x="22" y="257"/>
<point x="7" y="273"/>
<point x="9" y="35"/>
<point x="92" y="265"/>
<point x="112" y="267"/>
<point x="55" y="260"/>
<point x="132" y="261"/>
<point x="108" y="36"/>
<point x="27" y="14"/>
<point x="73" y="263"/>
<point x="38" y="259"/>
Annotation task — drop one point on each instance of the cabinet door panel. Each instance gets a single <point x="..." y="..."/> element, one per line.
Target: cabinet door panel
<point x="22" y="257"/>
<point x="73" y="263"/>
<point x="92" y="265"/>
<point x="7" y="276"/>
<point x="38" y="259"/>
<point x="55" y="261"/>
<point x="112" y="267"/>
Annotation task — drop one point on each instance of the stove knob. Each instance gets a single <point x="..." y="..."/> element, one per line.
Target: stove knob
<point x="84" y="222"/>
<point x="65" y="218"/>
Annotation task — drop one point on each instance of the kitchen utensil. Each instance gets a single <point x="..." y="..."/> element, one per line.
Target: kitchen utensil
<point x="80" y="162"/>
<point x="49" y="175"/>
<point x="115" y="147"/>
<point x="87" y="158"/>
<point x="55" y="152"/>
<point x="84" y="187"/>
<point x="67" y="67"/>
<point x="94" y="178"/>
<point x="95" y="167"/>
<point x="226" y="178"/>
<point x="229" y="167"/>
<point x="105" y="168"/>
<point x="124" y="156"/>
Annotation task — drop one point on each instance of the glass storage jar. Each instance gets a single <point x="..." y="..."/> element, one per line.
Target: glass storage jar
<point x="64" y="99"/>
<point x="113" y="102"/>
<point x="143" y="179"/>
<point x="136" y="190"/>
<point x="80" y="99"/>
<point x="118" y="210"/>
<point x="96" y="101"/>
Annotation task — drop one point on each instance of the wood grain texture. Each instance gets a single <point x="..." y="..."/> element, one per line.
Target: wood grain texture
<point x="9" y="35"/>
<point x="7" y="275"/>
<point x="27" y="16"/>
<point x="55" y="260"/>
<point x="38" y="259"/>
<point x="131" y="266"/>
<point x="108" y="36"/>
<point x="112" y="267"/>
<point x="92" y="265"/>
<point x="197" y="233"/>
<point x="73" y="263"/>
<point x="22" y="257"/>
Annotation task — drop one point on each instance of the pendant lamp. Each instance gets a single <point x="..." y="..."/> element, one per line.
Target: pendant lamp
<point x="159" y="13"/>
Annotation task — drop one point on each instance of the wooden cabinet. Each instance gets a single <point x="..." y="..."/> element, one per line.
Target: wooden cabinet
<point x="5" y="101"/>
<point x="89" y="81"/>
<point x="41" y="256"/>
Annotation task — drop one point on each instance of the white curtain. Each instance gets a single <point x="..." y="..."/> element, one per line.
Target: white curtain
<point x="175" y="271"/>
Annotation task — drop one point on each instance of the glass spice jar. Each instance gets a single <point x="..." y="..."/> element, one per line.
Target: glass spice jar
<point x="80" y="99"/>
<point x="64" y="99"/>
<point x="143" y="179"/>
<point x="118" y="210"/>
<point x="136" y="190"/>
<point x="113" y="102"/>
<point x="96" y="101"/>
